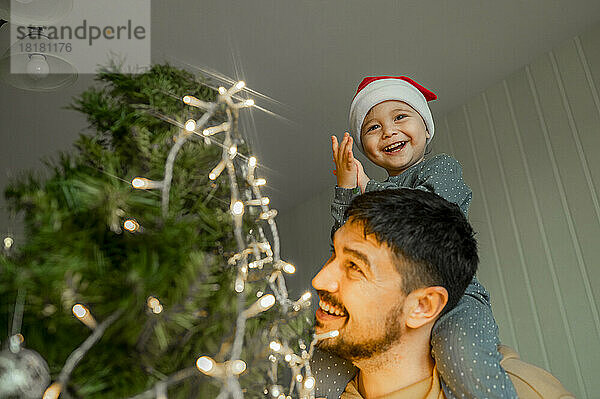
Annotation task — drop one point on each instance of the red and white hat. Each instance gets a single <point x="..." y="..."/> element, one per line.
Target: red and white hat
<point x="377" y="89"/>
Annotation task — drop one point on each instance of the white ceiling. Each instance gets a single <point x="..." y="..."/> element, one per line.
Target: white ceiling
<point x="307" y="57"/>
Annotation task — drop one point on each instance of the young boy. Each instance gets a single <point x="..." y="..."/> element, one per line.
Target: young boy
<point x="392" y="125"/>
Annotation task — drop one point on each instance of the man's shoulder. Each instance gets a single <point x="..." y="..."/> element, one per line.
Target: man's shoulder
<point x="531" y="381"/>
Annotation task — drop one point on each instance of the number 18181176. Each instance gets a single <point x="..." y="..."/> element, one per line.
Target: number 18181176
<point x="46" y="47"/>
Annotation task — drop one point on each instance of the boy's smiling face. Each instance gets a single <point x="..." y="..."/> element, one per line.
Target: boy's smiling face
<point x="394" y="136"/>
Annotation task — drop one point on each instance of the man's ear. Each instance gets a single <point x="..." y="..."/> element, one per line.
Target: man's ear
<point x="425" y="305"/>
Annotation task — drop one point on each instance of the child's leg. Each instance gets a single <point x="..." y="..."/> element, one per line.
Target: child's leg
<point x="465" y="347"/>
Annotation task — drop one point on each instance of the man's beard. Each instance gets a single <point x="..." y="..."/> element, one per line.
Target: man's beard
<point x="348" y="349"/>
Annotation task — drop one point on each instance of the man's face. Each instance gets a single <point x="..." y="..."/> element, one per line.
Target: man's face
<point x="360" y="295"/>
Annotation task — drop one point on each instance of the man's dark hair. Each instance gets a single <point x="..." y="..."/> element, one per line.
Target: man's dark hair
<point x="430" y="233"/>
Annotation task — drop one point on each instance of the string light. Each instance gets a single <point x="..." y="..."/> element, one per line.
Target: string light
<point x="303" y="301"/>
<point x="237" y="208"/>
<point x="209" y="131"/>
<point x="154" y="305"/>
<point x="84" y="315"/>
<point x="306" y="296"/>
<point x="8" y="242"/>
<point x="53" y="391"/>
<point x="275" y="346"/>
<point x="309" y="383"/>
<point x="217" y="170"/>
<point x="131" y="225"/>
<point x="236" y="367"/>
<point x="141" y="183"/>
<point x="194" y="102"/>
<point x="190" y="125"/>
<point x="206" y="365"/>
<point x="270" y="214"/>
<point x="232" y="150"/>
<point x="287" y="267"/>
<point x="259" y="202"/>
<point x="239" y="285"/>
<point x="258" y="264"/>
<point x="264" y="303"/>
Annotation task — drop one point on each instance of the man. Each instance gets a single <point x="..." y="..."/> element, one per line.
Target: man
<point x="403" y="258"/>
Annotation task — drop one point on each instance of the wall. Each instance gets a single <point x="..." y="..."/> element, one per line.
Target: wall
<point x="529" y="147"/>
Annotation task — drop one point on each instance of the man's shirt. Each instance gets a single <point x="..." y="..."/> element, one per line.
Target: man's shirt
<point x="429" y="388"/>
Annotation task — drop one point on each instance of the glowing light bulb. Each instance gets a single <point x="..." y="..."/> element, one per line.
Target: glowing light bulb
<point x="306" y="296"/>
<point x="267" y="301"/>
<point x="237" y="208"/>
<point x="260" y="181"/>
<point x="84" y="315"/>
<point x="8" y="242"/>
<point x="187" y="99"/>
<point x="205" y="364"/>
<point x="299" y="378"/>
<point x="190" y="125"/>
<point x="287" y="357"/>
<point x="233" y="150"/>
<point x="259" y="293"/>
<point x="155" y="305"/>
<point x="240" y="85"/>
<point x="157" y="309"/>
<point x="249" y="102"/>
<point x="153" y="302"/>
<point x="52" y="392"/>
<point x="275" y="391"/>
<point x="309" y="383"/>
<point x="222" y="90"/>
<point x="139" y="182"/>
<point x="252" y="162"/>
<point x="275" y="346"/>
<point x="131" y="225"/>
<point x="216" y="172"/>
<point x="265" y="200"/>
<point x="288" y="268"/>
<point x="237" y="366"/>
<point x="79" y="311"/>
<point x="270" y="214"/>
<point x="239" y="285"/>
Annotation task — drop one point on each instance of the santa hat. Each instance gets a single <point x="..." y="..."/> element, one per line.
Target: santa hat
<point x="377" y="89"/>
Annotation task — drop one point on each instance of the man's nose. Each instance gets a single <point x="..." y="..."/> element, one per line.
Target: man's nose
<point x="326" y="279"/>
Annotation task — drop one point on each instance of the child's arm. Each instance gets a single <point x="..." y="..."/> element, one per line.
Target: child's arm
<point x="345" y="166"/>
<point x="351" y="179"/>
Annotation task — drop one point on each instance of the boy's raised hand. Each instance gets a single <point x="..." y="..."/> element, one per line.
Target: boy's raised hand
<point x="362" y="178"/>
<point x="345" y="165"/>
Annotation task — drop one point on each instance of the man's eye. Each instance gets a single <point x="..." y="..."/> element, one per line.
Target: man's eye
<point x="352" y="266"/>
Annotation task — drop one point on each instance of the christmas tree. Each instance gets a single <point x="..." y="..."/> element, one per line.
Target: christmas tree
<point x="151" y="256"/>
